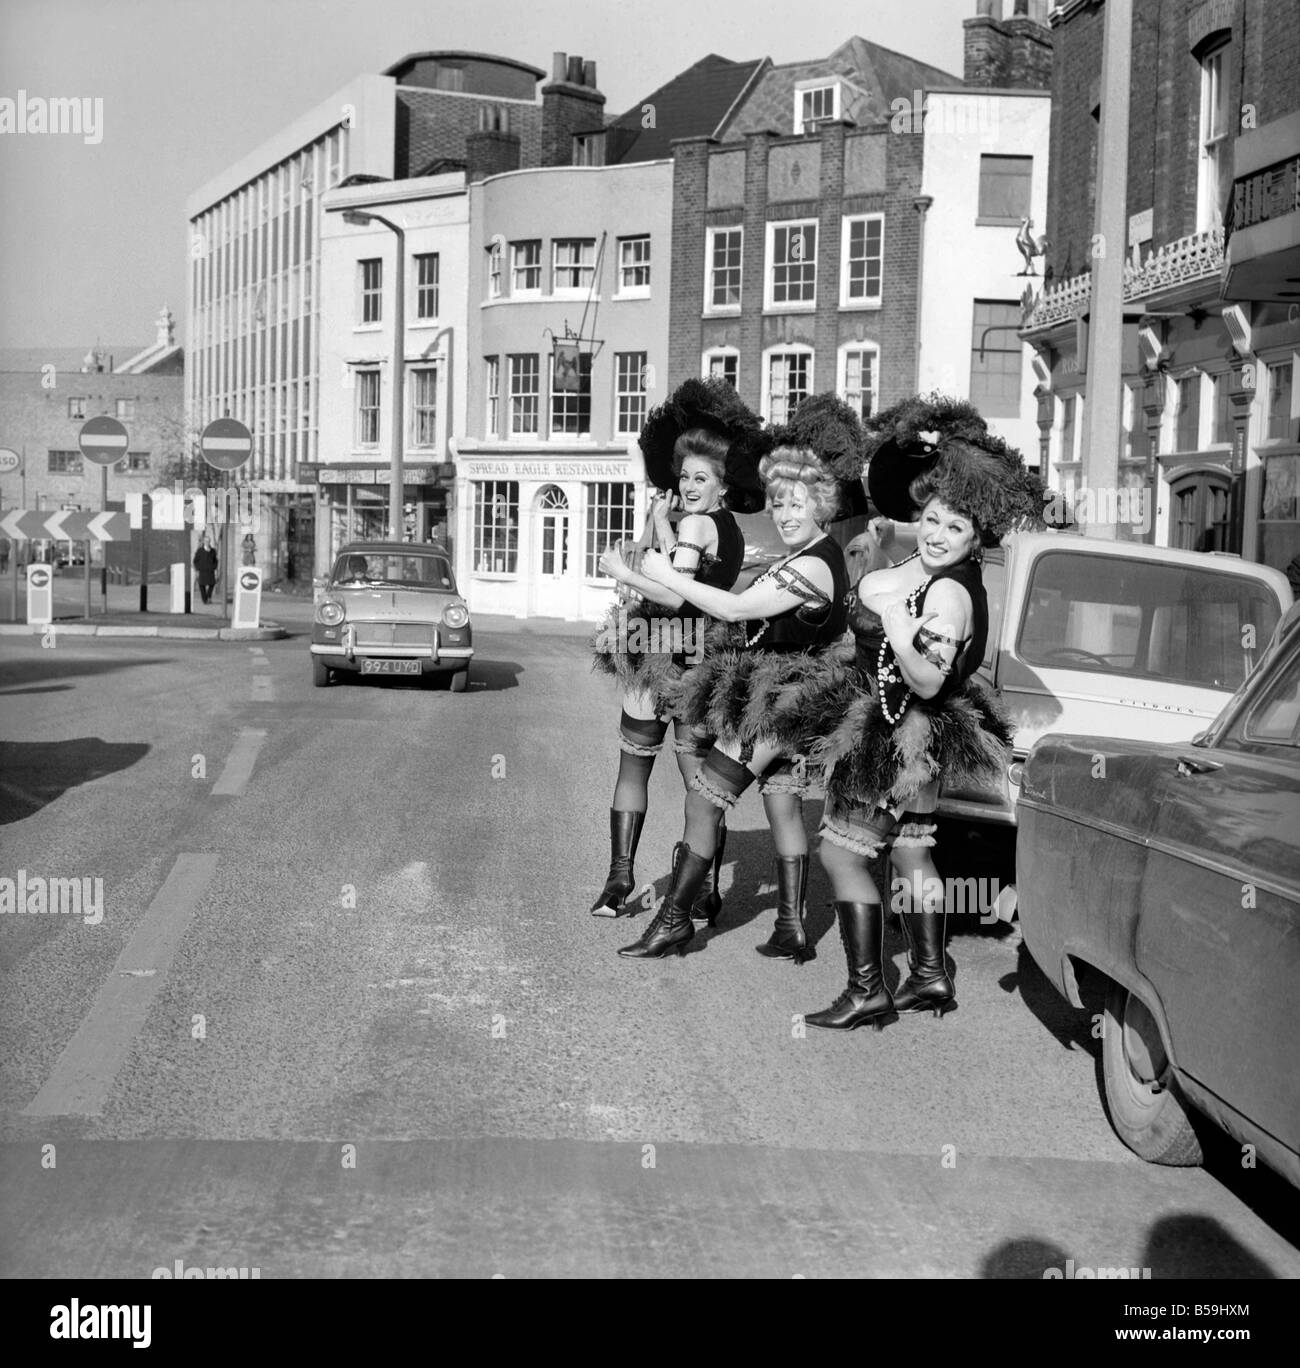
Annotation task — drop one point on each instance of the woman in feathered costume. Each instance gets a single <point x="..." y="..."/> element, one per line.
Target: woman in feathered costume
<point x="918" y="714"/>
<point x="790" y="613"/>
<point x="705" y="444"/>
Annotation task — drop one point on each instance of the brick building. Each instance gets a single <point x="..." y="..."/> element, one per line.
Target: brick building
<point x="1212" y="278"/>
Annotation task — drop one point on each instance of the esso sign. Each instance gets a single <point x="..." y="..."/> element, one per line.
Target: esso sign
<point x="9" y="460"/>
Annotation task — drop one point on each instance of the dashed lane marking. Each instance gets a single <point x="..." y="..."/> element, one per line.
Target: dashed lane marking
<point x="239" y="767"/>
<point x="84" y="1073"/>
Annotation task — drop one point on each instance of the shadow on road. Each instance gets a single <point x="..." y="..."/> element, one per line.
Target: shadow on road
<point x="35" y="773"/>
<point x="1070" y="1027"/>
<point x="57" y="664"/>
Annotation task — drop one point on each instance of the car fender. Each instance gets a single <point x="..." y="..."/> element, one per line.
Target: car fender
<point x="1075" y="957"/>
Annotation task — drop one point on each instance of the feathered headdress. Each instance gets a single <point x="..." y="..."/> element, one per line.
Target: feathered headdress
<point x="711" y="404"/>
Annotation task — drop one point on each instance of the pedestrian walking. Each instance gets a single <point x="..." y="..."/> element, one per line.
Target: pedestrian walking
<point x="705" y="444"/>
<point x="205" y="567"/>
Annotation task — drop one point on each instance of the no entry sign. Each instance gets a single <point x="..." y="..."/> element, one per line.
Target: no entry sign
<point x="226" y="444"/>
<point x="103" y="440"/>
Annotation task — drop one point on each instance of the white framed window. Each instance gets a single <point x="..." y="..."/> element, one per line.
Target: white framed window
<point x="424" y="406"/>
<point x="571" y="407"/>
<point x="862" y="250"/>
<point x="859" y="378"/>
<point x="496" y="527"/>
<point x="526" y="268"/>
<point x="723" y="270"/>
<point x="1187" y="413"/>
<point x="1215" y="178"/>
<point x="125" y="408"/>
<point x="494" y="271"/>
<point x="634" y="267"/>
<point x="426" y="285"/>
<point x="525" y="393"/>
<point x="787" y="381"/>
<point x="815" y="103"/>
<point x="791" y="265"/>
<point x="609" y="508"/>
<point x="77" y="406"/>
<point x="1279" y="424"/>
<point x="630" y="395"/>
<point x="492" y="389"/>
<point x="366" y="388"/>
<point x="722" y="363"/>
<point x="371" y="273"/>
<point x="573" y="265"/>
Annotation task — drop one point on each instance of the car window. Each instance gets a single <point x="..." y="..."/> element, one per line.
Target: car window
<point x="1274" y="717"/>
<point x="1114" y="615"/>
<point x="995" y="590"/>
<point x="416" y="571"/>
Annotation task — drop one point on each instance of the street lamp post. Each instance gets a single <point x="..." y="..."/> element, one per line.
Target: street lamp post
<point x="361" y="218"/>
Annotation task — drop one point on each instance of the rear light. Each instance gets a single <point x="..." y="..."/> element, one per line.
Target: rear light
<point x="1016" y="772"/>
<point x="330" y="612"/>
<point x="455" y="615"/>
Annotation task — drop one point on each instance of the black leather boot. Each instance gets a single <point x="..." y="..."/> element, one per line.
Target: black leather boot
<point x="672" y="928"/>
<point x="866" y="999"/>
<point x="789" y="940"/>
<point x="928" y="987"/>
<point x="624" y="834"/>
<point x="708" y="902"/>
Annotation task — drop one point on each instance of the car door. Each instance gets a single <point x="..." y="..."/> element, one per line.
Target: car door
<point x="1219" y="930"/>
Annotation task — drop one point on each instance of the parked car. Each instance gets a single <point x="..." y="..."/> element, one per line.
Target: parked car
<point x="1170" y="872"/>
<point x="1109" y="638"/>
<point x="391" y="608"/>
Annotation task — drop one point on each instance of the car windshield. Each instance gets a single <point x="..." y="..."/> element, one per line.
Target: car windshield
<point x="1113" y="615"/>
<point x="412" y="571"/>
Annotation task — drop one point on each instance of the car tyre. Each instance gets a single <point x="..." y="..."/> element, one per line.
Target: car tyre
<point x="321" y="674"/>
<point x="1141" y="1096"/>
<point x="460" y="680"/>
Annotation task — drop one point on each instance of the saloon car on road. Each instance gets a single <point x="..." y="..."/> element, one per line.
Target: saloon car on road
<point x="391" y="608"/>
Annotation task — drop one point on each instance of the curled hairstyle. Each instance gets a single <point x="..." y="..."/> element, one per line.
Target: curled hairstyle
<point x="705" y="445"/>
<point x="929" y="486"/>
<point x="788" y="466"/>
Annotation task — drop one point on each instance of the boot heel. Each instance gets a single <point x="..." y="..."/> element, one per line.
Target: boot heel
<point x="941" y="1009"/>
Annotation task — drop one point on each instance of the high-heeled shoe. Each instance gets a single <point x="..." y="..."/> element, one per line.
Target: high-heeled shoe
<point x="708" y="902"/>
<point x="866" y="999"/>
<point x="927" y="987"/>
<point x="624" y="835"/>
<point x="789" y="939"/>
<point x="672" y="928"/>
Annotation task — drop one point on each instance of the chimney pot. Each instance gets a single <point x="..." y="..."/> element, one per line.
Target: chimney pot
<point x="558" y="60"/>
<point x="988" y="9"/>
<point x="575" y="71"/>
<point x="589" y="74"/>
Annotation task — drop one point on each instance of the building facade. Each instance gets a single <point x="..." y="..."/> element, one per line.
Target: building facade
<point x="1211" y="293"/>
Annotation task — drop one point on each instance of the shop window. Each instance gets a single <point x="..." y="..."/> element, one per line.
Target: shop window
<point x="609" y="509"/>
<point x="496" y="527"/>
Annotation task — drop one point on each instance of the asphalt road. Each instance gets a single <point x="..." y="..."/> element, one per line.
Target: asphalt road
<point x="345" y="1013"/>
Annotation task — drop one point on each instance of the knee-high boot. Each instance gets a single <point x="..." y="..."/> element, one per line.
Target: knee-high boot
<point x="928" y="987"/>
<point x="866" y="999"/>
<point x="624" y="834"/>
<point x="672" y="928"/>
<point x="789" y="940"/>
<point x="708" y="902"/>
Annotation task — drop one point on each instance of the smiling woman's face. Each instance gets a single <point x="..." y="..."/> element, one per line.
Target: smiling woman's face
<point x="944" y="536"/>
<point x="792" y="512"/>
<point x="700" y="485"/>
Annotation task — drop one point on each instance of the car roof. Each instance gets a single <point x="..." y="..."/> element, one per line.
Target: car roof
<point x="378" y="548"/>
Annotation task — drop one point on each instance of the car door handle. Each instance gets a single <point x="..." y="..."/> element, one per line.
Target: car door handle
<point x="1189" y="765"/>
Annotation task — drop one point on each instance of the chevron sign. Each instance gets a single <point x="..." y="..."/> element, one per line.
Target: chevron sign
<point x="30" y="524"/>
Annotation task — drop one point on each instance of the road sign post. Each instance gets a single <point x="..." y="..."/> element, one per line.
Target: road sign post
<point x="104" y="441"/>
<point x="103" y="569"/>
<point x="40" y="595"/>
<point x="11" y="461"/>
<point x="225" y="444"/>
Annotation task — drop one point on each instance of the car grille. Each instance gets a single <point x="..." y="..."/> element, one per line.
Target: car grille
<point x="370" y="634"/>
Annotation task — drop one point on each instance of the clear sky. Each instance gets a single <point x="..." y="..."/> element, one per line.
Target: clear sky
<point x="93" y="237"/>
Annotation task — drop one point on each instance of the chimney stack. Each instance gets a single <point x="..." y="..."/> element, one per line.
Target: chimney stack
<point x="571" y="104"/>
<point x="1009" y="54"/>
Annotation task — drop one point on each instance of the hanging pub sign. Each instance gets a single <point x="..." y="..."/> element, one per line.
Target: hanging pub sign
<point x="568" y="368"/>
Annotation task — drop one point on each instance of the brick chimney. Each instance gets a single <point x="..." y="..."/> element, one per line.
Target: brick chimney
<point x="494" y="148"/>
<point x="571" y="104"/>
<point x="1013" y="53"/>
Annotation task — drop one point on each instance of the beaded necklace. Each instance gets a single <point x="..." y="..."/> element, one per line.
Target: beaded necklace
<point x="771" y="570"/>
<point x="887" y="672"/>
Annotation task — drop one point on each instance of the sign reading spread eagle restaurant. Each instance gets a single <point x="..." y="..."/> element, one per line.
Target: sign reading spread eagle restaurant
<point x="543" y="470"/>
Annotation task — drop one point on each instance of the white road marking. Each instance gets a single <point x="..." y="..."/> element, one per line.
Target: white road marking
<point x="239" y="767"/>
<point x="84" y="1073"/>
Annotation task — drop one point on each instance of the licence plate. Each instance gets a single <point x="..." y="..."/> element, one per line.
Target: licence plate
<point x="390" y="667"/>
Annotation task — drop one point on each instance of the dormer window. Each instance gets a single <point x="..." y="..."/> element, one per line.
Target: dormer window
<point x="815" y="103"/>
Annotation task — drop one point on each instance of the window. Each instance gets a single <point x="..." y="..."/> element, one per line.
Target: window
<point x="372" y="285"/>
<point x="792" y="254"/>
<point x="496" y="526"/>
<point x="494" y="271"/>
<point x="424" y="406"/>
<point x="723" y="289"/>
<point x="492" y="387"/>
<point x="525" y="392"/>
<point x="367" y="387"/>
<point x="65" y="463"/>
<point x="1275" y="716"/>
<point x="525" y="268"/>
<point x="1136" y="443"/>
<point x="1187" y="422"/>
<point x="1068" y="406"/>
<point x="630" y="392"/>
<point x="77" y="407"/>
<point x="1222" y="409"/>
<point x="574" y="264"/>
<point x="995" y="360"/>
<point x="1215" y="178"/>
<point x="634" y="265"/>
<point x="125" y="408"/>
<point x="571" y="406"/>
<point x="1004" y="187"/>
<point x="725" y="365"/>
<point x="815" y="105"/>
<point x="589" y="149"/>
<point x="426" y="285"/>
<point x="789" y="380"/>
<point x="1279" y="401"/>
<point x="137" y="461"/>
<point x="861" y="266"/>
<point x="858" y="379"/>
<point x="609" y="512"/>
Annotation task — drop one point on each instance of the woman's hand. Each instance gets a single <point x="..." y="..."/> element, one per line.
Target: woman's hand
<point x="611" y="563"/>
<point x="656" y="566"/>
<point x="900" y="626"/>
<point x="660" y="507"/>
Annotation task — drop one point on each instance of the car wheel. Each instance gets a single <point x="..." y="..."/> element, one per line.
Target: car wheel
<point x="460" y="680"/>
<point x="320" y="674"/>
<point x="1148" y="1114"/>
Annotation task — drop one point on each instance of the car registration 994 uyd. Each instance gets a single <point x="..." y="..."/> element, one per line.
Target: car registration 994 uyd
<point x="390" y="667"/>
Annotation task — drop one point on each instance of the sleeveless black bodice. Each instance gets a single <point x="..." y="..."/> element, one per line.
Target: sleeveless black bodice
<point x="810" y="625"/>
<point x="722" y="569"/>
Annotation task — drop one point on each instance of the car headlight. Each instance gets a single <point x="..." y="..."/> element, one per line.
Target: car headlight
<point x="455" y="615"/>
<point x="330" y="612"/>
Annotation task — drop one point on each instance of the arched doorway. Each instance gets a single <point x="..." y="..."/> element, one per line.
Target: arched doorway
<point x="1201" y="507"/>
<point x="550" y="565"/>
